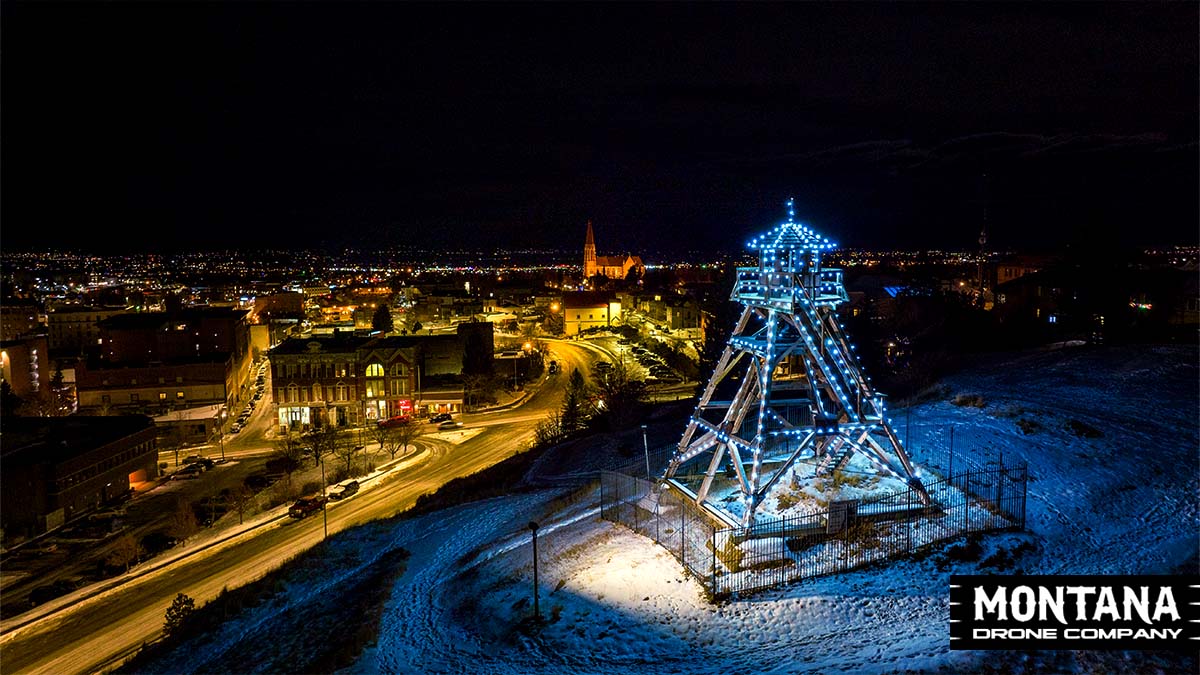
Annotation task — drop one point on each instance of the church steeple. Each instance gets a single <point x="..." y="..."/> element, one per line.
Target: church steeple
<point x="589" y="254"/>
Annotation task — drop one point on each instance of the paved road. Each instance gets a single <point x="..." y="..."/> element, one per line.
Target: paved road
<point x="88" y="635"/>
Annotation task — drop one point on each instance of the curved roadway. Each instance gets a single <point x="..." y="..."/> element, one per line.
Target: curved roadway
<point x="101" y="629"/>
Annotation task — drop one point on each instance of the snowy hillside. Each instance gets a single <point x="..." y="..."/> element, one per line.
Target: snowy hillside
<point x="1112" y="443"/>
<point x="1112" y="446"/>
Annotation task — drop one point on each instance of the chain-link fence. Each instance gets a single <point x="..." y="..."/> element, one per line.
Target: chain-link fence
<point x="849" y="534"/>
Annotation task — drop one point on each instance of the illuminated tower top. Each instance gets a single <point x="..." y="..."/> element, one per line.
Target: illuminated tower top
<point x="789" y="270"/>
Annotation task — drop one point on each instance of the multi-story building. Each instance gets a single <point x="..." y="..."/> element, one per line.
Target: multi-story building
<point x="347" y="380"/>
<point x="156" y="362"/>
<point x="157" y="388"/>
<point x="74" y="327"/>
<point x="588" y="309"/>
<point x="53" y="469"/>
<point x="24" y="365"/>
<point x="18" y="319"/>
<point x="342" y="380"/>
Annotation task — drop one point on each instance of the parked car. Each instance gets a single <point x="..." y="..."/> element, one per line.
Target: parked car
<point x="236" y="427"/>
<point x="451" y="424"/>
<point x="343" y="490"/>
<point x="306" y="505"/>
<point x="189" y="471"/>
<point x="553" y="367"/>
<point x="441" y="417"/>
<point x="197" y="459"/>
<point x="603" y="365"/>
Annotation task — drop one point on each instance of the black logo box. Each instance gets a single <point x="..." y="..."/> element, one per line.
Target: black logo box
<point x="969" y="631"/>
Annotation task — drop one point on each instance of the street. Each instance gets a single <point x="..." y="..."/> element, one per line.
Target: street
<point x="97" y="631"/>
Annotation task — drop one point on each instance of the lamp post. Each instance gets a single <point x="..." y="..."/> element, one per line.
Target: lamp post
<point x="646" y="448"/>
<point x="537" y="614"/>
<point x="221" y="431"/>
<point x="324" y="499"/>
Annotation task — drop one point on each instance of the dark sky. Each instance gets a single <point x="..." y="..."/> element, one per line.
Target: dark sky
<point x="159" y="126"/>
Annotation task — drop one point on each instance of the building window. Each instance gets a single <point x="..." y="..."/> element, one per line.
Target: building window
<point x="179" y="395"/>
<point x="178" y="378"/>
<point x="133" y="398"/>
<point x="375" y="370"/>
<point x="162" y="395"/>
<point x="398" y="370"/>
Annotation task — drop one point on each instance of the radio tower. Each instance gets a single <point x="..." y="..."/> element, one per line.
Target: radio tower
<point x="801" y="392"/>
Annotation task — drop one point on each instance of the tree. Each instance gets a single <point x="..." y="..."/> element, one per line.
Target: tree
<point x="407" y="433"/>
<point x="240" y="495"/>
<point x="125" y="552"/>
<point x="178" y="615"/>
<point x="574" y="414"/>
<point x="623" y="396"/>
<point x="9" y="401"/>
<point x="346" y="449"/>
<point x="549" y="431"/>
<point x="183" y="521"/>
<point x="320" y="442"/>
<point x="289" y="450"/>
<point x="382" y="320"/>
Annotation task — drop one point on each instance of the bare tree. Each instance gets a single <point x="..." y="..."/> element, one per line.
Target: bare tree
<point x="240" y="495"/>
<point x="346" y="449"/>
<point x="320" y="442"/>
<point x="407" y="433"/>
<point x="183" y="521"/>
<point x="289" y="451"/>
<point x="125" y="552"/>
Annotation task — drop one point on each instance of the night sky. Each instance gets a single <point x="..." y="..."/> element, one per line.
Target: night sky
<point x="168" y="126"/>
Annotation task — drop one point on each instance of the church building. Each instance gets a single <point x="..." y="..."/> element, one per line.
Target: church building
<point x="611" y="266"/>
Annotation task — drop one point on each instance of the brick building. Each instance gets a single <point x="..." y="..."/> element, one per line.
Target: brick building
<point x="53" y="469"/>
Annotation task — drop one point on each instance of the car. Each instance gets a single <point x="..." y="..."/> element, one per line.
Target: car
<point x="603" y="365"/>
<point x="203" y="462"/>
<point x="451" y="424"/>
<point x="343" y="490"/>
<point x="306" y="506"/>
<point x="189" y="471"/>
<point x="440" y="417"/>
<point x="235" y="428"/>
<point x="553" y="367"/>
<point x="396" y="421"/>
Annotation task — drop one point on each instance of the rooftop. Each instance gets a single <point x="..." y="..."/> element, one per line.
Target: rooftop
<point x="54" y="439"/>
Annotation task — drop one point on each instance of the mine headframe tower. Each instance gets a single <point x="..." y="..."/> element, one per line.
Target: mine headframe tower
<point x="801" y="392"/>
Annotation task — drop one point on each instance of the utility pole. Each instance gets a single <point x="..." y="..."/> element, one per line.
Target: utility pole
<point x="646" y="448"/>
<point x="537" y="614"/>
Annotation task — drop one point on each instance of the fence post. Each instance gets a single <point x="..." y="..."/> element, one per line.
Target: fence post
<point x="713" y="570"/>
<point x="683" y="537"/>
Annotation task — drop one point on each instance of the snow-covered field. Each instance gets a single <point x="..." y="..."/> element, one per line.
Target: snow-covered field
<point x="1112" y="443"/>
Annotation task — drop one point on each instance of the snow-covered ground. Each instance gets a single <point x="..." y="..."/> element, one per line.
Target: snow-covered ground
<point x="1112" y="443"/>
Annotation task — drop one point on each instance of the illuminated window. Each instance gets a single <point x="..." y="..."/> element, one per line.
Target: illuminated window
<point x="375" y="370"/>
<point x="162" y="395"/>
<point x="179" y="395"/>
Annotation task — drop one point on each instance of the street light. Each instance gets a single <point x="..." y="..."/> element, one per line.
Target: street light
<point x="537" y="614"/>
<point x="221" y="431"/>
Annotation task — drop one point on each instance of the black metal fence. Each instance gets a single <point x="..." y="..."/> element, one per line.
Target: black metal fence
<point x="849" y="534"/>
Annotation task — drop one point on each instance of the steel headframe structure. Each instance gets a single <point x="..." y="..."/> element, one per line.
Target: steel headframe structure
<point x="801" y="390"/>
